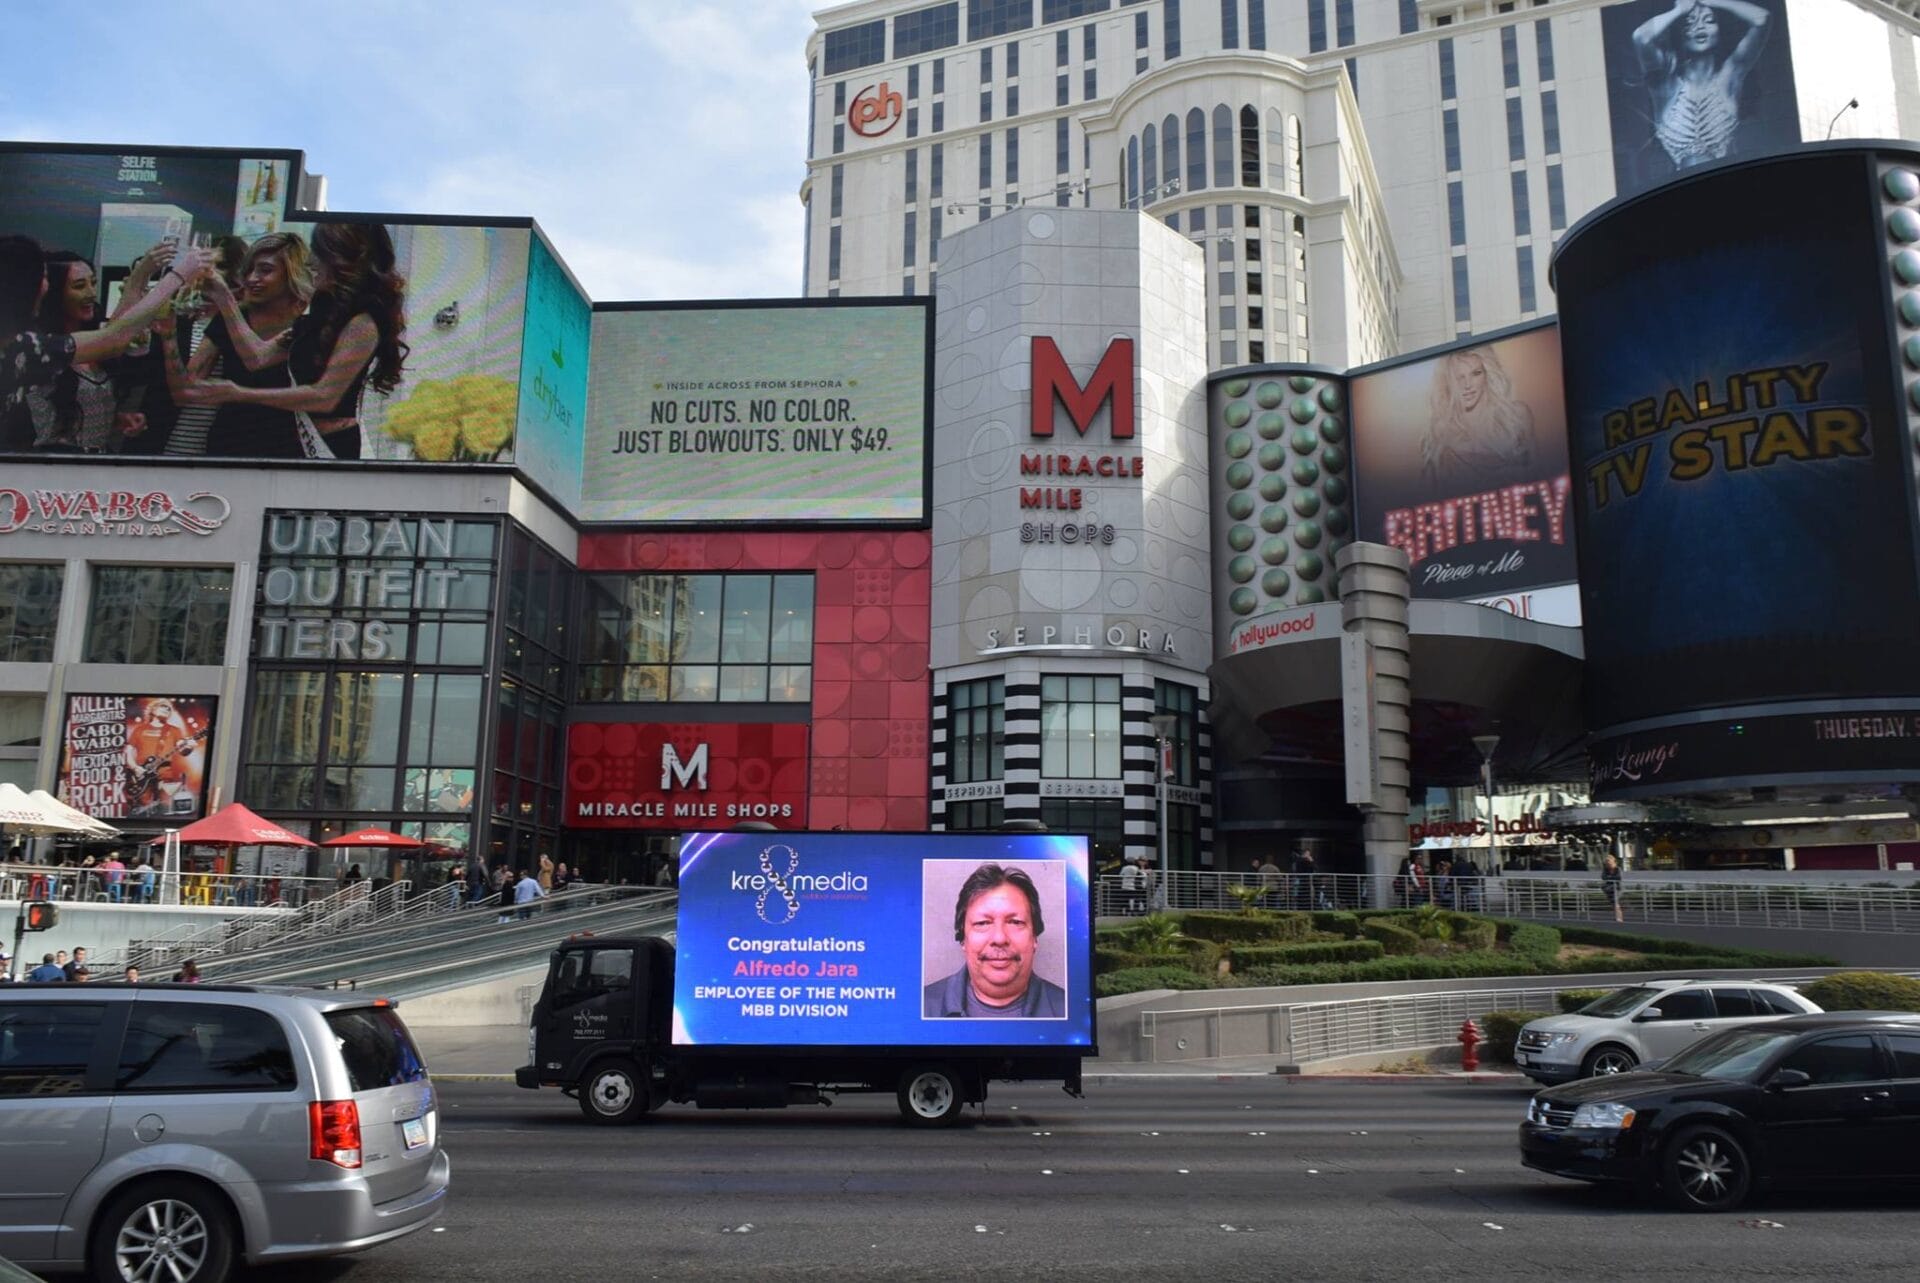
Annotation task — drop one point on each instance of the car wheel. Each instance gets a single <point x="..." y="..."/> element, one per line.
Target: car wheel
<point x="615" y="1092"/>
<point x="172" y="1230"/>
<point x="930" y="1096"/>
<point x="1604" y="1062"/>
<point x="1706" y="1170"/>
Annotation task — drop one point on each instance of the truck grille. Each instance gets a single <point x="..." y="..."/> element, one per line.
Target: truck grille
<point x="1544" y="1113"/>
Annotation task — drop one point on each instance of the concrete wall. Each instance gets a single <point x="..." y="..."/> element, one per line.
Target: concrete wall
<point x="105" y="930"/>
<point x="505" y="999"/>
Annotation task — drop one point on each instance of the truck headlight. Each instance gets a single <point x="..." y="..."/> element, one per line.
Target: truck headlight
<point x="1555" y="1040"/>
<point x="1603" y="1117"/>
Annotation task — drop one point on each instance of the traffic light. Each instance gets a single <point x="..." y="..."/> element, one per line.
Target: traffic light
<point x="41" y="915"/>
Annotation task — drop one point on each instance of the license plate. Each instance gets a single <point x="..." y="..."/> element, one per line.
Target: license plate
<point x="414" y="1132"/>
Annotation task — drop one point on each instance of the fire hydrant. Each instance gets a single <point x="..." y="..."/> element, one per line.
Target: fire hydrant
<point x="1470" y="1039"/>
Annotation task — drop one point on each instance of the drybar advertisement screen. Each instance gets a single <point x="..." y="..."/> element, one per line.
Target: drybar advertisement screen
<point x="882" y="939"/>
<point x="760" y="413"/>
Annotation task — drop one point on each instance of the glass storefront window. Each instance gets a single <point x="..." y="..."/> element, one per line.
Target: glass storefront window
<point x="158" y="615"/>
<point x="1183" y="703"/>
<point x="978" y="734"/>
<point x="29" y="611"/>
<point x="1080" y="727"/>
<point x="696" y="638"/>
<point x="1104" y="822"/>
<point x="981" y="815"/>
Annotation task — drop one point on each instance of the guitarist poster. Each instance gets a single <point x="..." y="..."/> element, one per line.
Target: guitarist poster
<point x="137" y="757"/>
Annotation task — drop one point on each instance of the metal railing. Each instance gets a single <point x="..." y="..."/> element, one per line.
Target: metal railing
<point x="136" y="886"/>
<point x="1644" y="899"/>
<point x="349" y="907"/>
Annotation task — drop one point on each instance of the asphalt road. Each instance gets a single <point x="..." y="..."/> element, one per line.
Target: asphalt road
<point x="1247" y="1179"/>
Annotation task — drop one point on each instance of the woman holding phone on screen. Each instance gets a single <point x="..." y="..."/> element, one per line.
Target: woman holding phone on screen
<point x="249" y="339"/>
<point x="350" y="337"/>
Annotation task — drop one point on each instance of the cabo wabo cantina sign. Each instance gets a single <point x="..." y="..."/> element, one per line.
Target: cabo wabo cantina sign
<point x="137" y="513"/>
<point x="624" y="775"/>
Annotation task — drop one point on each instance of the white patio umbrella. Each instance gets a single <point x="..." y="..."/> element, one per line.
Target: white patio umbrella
<point x="21" y="813"/>
<point x="95" y="827"/>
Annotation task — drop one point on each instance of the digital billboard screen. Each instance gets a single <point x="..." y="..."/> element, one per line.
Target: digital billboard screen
<point x="1745" y="533"/>
<point x="761" y="412"/>
<point x="553" y="376"/>
<point x="137" y="757"/>
<point x="883" y="940"/>
<point x="1695" y="82"/>
<point x="1460" y="460"/>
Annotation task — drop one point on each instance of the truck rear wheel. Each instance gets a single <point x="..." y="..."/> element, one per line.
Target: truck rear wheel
<point x="615" y="1092"/>
<point x="930" y="1096"/>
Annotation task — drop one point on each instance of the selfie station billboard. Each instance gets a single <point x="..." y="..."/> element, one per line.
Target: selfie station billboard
<point x="1743" y="457"/>
<point x="758" y="412"/>
<point x="849" y="939"/>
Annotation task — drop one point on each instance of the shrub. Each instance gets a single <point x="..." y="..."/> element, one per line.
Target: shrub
<point x="1537" y="943"/>
<point x="1338" y="924"/>
<point x="1455" y="966"/>
<point x="1696" y="951"/>
<point x="1501" y="1029"/>
<point x="1864" y="991"/>
<point x="1393" y="937"/>
<point x="1247" y="956"/>
<point x="1158" y="934"/>
<point x="1573" y="999"/>
<point x="1141" y="979"/>
<point x="1248" y="928"/>
<point x="1469" y="932"/>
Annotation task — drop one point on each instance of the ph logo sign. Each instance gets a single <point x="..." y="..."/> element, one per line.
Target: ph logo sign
<point x="1111" y="385"/>
<point x="874" y="110"/>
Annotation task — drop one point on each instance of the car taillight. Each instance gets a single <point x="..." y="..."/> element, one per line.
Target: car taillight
<point x="335" y="1129"/>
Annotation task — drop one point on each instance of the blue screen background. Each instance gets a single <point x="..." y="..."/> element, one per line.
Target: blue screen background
<point x="719" y="921"/>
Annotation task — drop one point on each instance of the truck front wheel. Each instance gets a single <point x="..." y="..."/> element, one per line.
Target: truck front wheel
<point x="930" y="1096"/>
<point x="615" y="1092"/>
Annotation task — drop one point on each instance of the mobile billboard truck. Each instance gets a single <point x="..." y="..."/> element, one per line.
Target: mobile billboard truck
<point x="809" y="964"/>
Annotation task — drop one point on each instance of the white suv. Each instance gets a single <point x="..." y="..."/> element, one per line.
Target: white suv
<point x="1653" y="1021"/>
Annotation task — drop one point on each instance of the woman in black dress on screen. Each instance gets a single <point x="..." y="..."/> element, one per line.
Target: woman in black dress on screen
<point x="249" y="339"/>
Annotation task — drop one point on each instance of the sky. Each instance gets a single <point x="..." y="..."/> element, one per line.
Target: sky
<point x="659" y="143"/>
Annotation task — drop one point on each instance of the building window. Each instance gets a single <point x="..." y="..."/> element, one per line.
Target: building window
<point x="1183" y="835"/>
<point x="1089" y="43"/>
<point x="1223" y="149"/>
<point x="1343" y="28"/>
<point x="936" y="171"/>
<point x="1091" y="83"/>
<point x="29" y="611"/>
<point x="1516" y="131"/>
<point x="1524" y="261"/>
<point x="986" y="105"/>
<point x="697" y="639"/>
<point x="1062" y="153"/>
<point x="158" y="615"/>
<point x="1230" y="24"/>
<point x="1462" y="299"/>
<point x="909" y="243"/>
<point x="1543" y="47"/>
<point x="986" y="66"/>
<point x="1249" y="147"/>
<point x="986" y="162"/>
<point x="1196" y="150"/>
<point x="1061" y="93"/>
<point x="836" y="191"/>
<point x="981" y="815"/>
<point x="1255" y="286"/>
<point x="1456" y="214"/>
<point x="1013" y="100"/>
<point x="1063" y="10"/>
<point x="1183" y="703"/>
<point x="1080" y="727"/>
<point x="1169" y="155"/>
<point x="853" y="47"/>
<point x="1170" y="28"/>
<point x="1556" y="200"/>
<point x="939" y="76"/>
<point x="1140" y="30"/>
<point x="1449" y="87"/>
<point x="1013" y="157"/>
<point x="1104" y="823"/>
<point x="1297" y="156"/>
<point x="913" y="176"/>
<point x="939" y="116"/>
<point x="1013" y="59"/>
<point x="913" y="82"/>
<point x="924" y="30"/>
<point x="1510" y="57"/>
<point x="1256" y="24"/>
<point x="839" y="138"/>
<point x="988" y="18"/>
<point x="933" y="240"/>
<point x="1409" y="16"/>
<point x="1450" y="135"/>
<point x="1062" y="47"/>
<point x="977" y="741"/>
<point x="1550" y="121"/>
<point x="1522" y="207"/>
<point x="913" y="122"/>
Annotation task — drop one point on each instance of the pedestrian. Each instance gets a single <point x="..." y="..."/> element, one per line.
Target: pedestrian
<point x="114" y="872"/>
<point x="1130" y="886"/>
<point x="78" y="964"/>
<point x="1269" y="882"/>
<point x="1610" y="883"/>
<point x="148" y="877"/>
<point x="665" y="877"/>
<point x="456" y="886"/>
<point x="525" y="892"/>
<point x="1411" y="885"/>
<point x="189" y="973"/>
<point x="546" y="873"/>
<point x="1443" y="881"/>
<point x="353" y="876"/>
<point x="1146" y="885"/>
<point x="131" y="975"/>
<point x="503" y="894"/>
<point x="48" y="972"/>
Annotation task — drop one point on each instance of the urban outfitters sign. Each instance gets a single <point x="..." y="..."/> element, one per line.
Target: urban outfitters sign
<point x="322" y="576"/>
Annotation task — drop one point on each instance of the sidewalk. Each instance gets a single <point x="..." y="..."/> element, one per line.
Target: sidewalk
<point x="490" y="1053"/>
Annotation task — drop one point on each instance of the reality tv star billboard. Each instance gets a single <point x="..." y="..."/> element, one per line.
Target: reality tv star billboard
<point x="1691" y="82"/>
<point x="1744" y="529"/>
<point x="883" y="940"/>
<point x="1460" y="460"/>
<point x="758" y="412"/>
<point x="137" y="757"/>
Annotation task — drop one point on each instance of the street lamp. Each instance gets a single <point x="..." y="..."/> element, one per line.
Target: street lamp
<point x="1486" y="744"/>
<point x="1163" y="724"/>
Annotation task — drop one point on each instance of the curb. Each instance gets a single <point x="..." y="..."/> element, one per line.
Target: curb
<point x="471" y="1078"/>
<point x="1112" y="1078"/>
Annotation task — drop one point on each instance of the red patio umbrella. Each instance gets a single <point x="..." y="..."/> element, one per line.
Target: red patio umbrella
<point x="373" y="837"/>
<point x="234" y="825"/>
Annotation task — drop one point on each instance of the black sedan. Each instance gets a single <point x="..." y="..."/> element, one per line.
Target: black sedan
<point x="1806" y="1100"/>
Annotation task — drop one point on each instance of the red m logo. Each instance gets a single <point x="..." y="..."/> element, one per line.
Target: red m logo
<point x="1112" y="380"/>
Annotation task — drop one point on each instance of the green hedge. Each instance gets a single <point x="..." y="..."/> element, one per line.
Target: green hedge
<point x="1337" y="923"/>
<point x="1247" y="956"/>
<point x="1141" y="979"/>
<point x="1542" y="944"/>
<point x="1454" y="966"/>
<point x="1202" y="957"/>
<point x="1393" y="937"/>
<point x="1263" y="927"/>
<point x="1864" y="991"/>
<point x="1469" y="932"/>
<point x="1664" y="947"/>
<point x="1501" y="1029"/>
<point x="1571" y="1000"/>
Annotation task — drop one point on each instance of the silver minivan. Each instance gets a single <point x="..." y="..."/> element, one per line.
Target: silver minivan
<point x="165" y="1132"/>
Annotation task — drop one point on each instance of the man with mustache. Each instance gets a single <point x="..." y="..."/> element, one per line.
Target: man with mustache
<point x="998" y="922"/>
